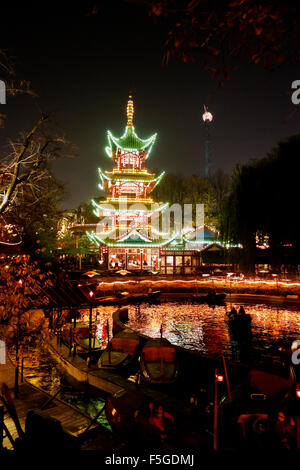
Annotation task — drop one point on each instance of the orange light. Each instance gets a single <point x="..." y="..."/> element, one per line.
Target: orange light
<point x="298" y="391"/>
<point x="20" y="282"/>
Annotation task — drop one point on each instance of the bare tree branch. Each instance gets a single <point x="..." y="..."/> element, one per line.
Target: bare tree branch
<point x="17" y="163"/>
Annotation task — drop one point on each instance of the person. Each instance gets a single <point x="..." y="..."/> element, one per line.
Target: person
<point x="285" y="428"/>
<point x="242" y="311"/>
<point x="160" y="419"/>
<point x="233" y="313"/>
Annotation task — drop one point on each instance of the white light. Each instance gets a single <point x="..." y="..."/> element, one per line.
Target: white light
<point x="207" y="116"/>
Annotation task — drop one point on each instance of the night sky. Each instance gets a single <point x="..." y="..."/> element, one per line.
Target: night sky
<point x="83" y="67"/>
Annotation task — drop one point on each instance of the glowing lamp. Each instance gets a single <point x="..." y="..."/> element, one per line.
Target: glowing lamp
<point x="207" y="116"/>
<point x="298" y="391"/>
<point x="91" y="293"/>
<point x="20" y="282"/>
<point x="219" y="378"/>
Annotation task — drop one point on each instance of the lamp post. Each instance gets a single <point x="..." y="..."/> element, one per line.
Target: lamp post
<point x="218" y="378"/>
<point x="207" y="118"/>
<point x="16" y="389"/>
<point x="91" y="295"/>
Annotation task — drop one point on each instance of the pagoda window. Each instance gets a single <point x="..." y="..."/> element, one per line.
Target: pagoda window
<point x="130" y="159"/>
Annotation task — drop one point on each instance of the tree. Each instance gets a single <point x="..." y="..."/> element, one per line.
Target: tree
<point x="22" y="285"/>
<point x="13" y="85"/>
<point x="177" y="189"/>
<point x="29" y="192"/>
<point x="225" y="34"/>
<point x="220" y="183"/>
<point x="263" y="201"/>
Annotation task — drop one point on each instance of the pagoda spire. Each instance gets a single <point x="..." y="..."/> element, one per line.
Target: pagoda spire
<point x="130" y="111"/>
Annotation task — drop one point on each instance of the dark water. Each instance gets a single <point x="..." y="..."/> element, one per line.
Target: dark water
<point x="203" y="328"/>
<point x="188" y="325"/>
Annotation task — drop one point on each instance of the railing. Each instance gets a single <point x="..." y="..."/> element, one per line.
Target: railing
<point x="22" y="368"/>
<point x="1" y="426"/>
<point x="130" y="171"/>
<point x="50" y="399"/>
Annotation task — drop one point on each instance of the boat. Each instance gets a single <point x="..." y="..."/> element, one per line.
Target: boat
<point x="210" y="299"/>
<point x="80" y="336"/>
<point x="156" y="424"/>
<point x="149" y="297"/>
<point x="153" y="296"/>
<point x="121" y="353"/>
<point x="239" y="325"/>
<point x="250" y="417"/>
<point x="111" y="300"/>
<point x="158" y="364"/>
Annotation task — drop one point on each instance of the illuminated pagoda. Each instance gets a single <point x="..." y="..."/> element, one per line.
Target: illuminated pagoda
<point x="128" y="230"/>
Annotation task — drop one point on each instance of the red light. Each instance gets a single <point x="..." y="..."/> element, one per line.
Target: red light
<point x="91" y="293"/>
<point x="298" y="392"/>
<point x="20" y="282"/>
<point x="220" y="378"/>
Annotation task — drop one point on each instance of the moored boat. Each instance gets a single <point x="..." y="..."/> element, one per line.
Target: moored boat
<point x="258" y="406"/>
<point x="111" y="300"/>
<point x="148" y="297"/>
<point x="210" y="299"/>
<point x="127" y="298"/>
<point x="80" y="337"/>
<point x="138" y="417"/>
<point x="121" y="353"/>
<point x="158" y="363"/>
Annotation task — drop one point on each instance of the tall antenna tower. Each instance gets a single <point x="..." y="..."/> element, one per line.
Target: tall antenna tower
<point x="207" y="118"/>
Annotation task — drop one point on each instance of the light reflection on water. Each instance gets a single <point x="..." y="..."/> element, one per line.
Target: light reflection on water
<point x="191" y="326"/>
<point x="203" y="328"/>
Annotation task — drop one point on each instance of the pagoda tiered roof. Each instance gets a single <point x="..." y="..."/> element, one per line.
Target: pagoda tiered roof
<point x="131" y="240"/>
<point x="122" y="176"/>
<point x="116" y="205"/>
<point x="129" y="141"/>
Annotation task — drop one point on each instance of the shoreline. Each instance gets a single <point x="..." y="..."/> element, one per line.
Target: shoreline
<point x="194" y="284"/>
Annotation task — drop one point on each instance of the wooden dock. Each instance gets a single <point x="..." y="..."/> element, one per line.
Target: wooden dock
<point x="73" y="421"/>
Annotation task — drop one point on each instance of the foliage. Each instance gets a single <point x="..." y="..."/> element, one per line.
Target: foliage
<point x="195" y="190"/>
<point x="29" y="192"/>
<point x="224" y="34"/>
<point x="14" y="85"/>
<point x="22" y="285"/>
<point x="85" y="214"/>
<point x="263" y="201"/>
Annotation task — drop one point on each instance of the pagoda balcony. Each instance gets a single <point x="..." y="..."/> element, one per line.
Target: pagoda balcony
<point x="130" y="171"/>
<point x="131" y="199"/>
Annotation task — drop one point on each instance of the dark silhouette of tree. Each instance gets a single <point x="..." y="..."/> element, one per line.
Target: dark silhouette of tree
<point x="263" y="201"/>
<point x="13" y="83"/>
<point x="223" y="34"/>
<point x="177" y="189"/>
